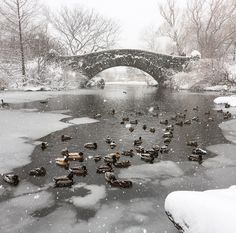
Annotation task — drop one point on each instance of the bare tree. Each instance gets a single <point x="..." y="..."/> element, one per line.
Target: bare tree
<point x="174" y="24"/>
<point x="17" y="15"/>
<point x="84" y="31"/>
<point x="213" y="26"/>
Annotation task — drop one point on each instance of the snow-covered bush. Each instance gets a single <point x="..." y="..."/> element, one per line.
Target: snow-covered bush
<point x="195" y="54"/>
<point x="96" y="82"/>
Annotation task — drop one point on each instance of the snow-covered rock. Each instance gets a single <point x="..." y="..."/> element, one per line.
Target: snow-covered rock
<point x="96" y="82"/>
<point x="212" y="211"/>
<point x="195" y="54"/>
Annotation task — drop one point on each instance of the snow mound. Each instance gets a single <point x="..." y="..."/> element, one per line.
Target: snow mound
<point x="83" y="120"/>
<point x="195" y="54"/>
<point x="212" y="211"/>
<point x="231" y="100"/>
<point x="152" y="172"/>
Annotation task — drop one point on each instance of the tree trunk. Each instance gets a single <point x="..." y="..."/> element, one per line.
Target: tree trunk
<point x="21" y="42"/>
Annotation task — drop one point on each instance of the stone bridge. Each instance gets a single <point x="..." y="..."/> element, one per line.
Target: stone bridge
<point x="93" y="63"/>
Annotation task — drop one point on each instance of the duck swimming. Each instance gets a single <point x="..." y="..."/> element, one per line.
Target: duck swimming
<point x="111" y="158"/>
<point x="97" y="158"/>
<point x="187" y="122"/>
<point x="170" y="128"/>
<point x="152" y="130"/>
<point x="167" y="140"/>
<point x="44" y="145"/>
<point x="104" y="168"/>
<point x="125" y="119"/>
<point x="197" y="158"/>
<point x="139" y="149"/>
<point x="108" y="140"/>
<point x="63" y="162"/>
<point x="152" y="152"/>
<point x="131" y="129"/>
<point x="65" y="138"/>
<point x="122" y="164"/>
<point x="134" y="122"/>
<point x="111" y="179"/>
<point x="144" y="127"/>
<point x="164" y="122"/>
<point x="192" y="143"/>
<point x="179" y="123"/>
<point x="39" y="171"/>
<point x="12" y="179"/>
<point x="168" y="135"/>
<point x="64" y="181"/>
<point x="198" y="151"/>
<point x="79" y="170"/>
<point x="4" y="104"/>
<point x="138" y="141"/>
<point x="147" y="157"/>
<point x="112" y="145"/>
<point x="91" y="145"/>
<point x="76" y="156"/>
<point x="128" y="153"/>
<point x="164" y="149"/>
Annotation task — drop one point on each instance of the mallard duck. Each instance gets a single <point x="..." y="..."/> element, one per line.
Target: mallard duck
<point x="181" y="115"/>
<point x="65" y="138"/>
<point x="134" y="122"/>
<point x="227" y="105"/>
<point x="112" y="157"/>
<point x="170" y="128"/>
<point x="129" y="153"/>
<point x="208" y="113"/>
<point x="4" y="104"/>
<point x="152" y="130"/>
<point x="39" y="171"/>
<point x="192" y="143"/>
<point x="111" y="179"/>
<point x="44" y="145"/>
<point x="187" y="122"/>
<point x="43" y="101"/>
<point x="63" y="162"/>
<point x="108" y="140"/>
<point x="122" y="164"/>
<point x="198" y="151"/>
<point x="227" y="115"/>
<point x="138" y="142"/>
<point x="139" y="149"/>
<point x="97" y="158"/>
<point x="168" y="135"/>
<point x="156" y="148"/>
<point x="167" y="140"/>
<point x="185" y="110"/>
<point x="220" y="110"/>
<point x="98" y="115"/>
<point x="179" y="123"/>
<point x="79" y="170"/>
<point x="125" y="119"/>
<point x="210" y="119"/>
<point x="152" y="152"/>
<point x="147" y="157"/>
<point x="164" y="149"/>
<point x="164" y="122"/>
<point x="104" y="168"/>
<point x="131" y="129"/>
<point x="122" y="122"/>
<point x="195" y="119"/>
<point x="144" y="127"/>
<point x="76" y="156"/>
<point x="64" y="181"/>
<point x="91" y="145"/>
<point x="174" y="118"/>
<point x="197" y="158"/>
<point x="12" y="179"/>
<point x="113" y="111"/>
<point x="112" y="145"/>
<point x="195" y="108"/>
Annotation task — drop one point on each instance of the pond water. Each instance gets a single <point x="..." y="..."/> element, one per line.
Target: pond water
<point x="91" y="205"/>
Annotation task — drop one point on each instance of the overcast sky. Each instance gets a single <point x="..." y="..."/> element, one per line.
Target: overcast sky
<point x="132" y="15"/>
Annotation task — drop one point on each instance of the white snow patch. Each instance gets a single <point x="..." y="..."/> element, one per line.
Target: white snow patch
<point x="211" y="211"/>
<point x="83" y="120"/>
<point x="195" y="53"/>
<point x="229" y="130"/>
<point x="91" y="200"/>
<point x="152" y="172"/>
<point x="216" y="88"/>
<point x="226" y="99"/>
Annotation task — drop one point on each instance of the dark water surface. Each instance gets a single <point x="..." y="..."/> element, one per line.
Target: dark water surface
<point x="133" y="102"/>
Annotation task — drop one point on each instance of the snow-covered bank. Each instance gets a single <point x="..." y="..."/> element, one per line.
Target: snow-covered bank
<point x="210" y="211"/>
<point x="231" y="100"/>
<point x="19" y="128"/>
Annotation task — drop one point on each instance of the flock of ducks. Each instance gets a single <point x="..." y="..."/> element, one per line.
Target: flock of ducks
<point x="113" y="160"/>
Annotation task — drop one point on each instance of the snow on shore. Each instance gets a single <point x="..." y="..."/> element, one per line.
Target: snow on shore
<point x="231" y="100"/>
<point x="19" y="128"/>
<point x="210" y="211"/>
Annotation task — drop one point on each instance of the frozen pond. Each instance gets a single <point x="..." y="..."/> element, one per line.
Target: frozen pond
<point x="91" y="205"/>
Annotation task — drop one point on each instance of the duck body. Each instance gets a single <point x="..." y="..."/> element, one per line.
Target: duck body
<point x="112" y="145"/>
<point x="79" y="170"/>
<point x="40" y="171"/>
<point x="167" y="140"/>
<point x="91" y="145"/>
<point x="64" y="181"/>
<point x="129" y="153"/>
<point x="108" y="140"/>
<point x="164" y="122"/>
<point x="63" y="162"/>
<point x="97" y="158"/>
<point x="122" y="164"/>
<point x="152" y="152"/>
<point x="3" y="104"/>
<point x="152" y="130"/>
<point x="139" y="149"/>
<point x="12" y="179"/>
<point x="170" y="128"/>
<point x="104" y="168"/>
<point x="227" y="105"/>
<point x="192" y="143"/>
<point x="199" y="151"/>
<point x="111" y="179"/>
<point x="134" y="122"/>
<point x="179" y="123"/>
<point x="187" y="122"/>
<point x="44" y="145"/>
<point x="112" y="158"/>
<point x="147" y="157"/>
<point x="197" y="158"/>
<point x="144" y="127"/>
<point x="125" y="119"/>
<point x="138" y="141"/>
<point x="131" y="129"/>
<point x="195" y="119"/>
<point x="168" y="135"/>
<point x="65" y="138"/>
<point x="76" y="156"/>
<point x="164" y="149"/>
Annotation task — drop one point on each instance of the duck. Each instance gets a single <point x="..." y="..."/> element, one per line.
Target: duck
<point x="108" y="140"/>
<point x="121" y="183"/>
<point x="64" y="181"/>
<point x="195" y="119"/>
<point x="39" y="171"/>
<point x="156" y="148"/>
<point x="139" y="149"/>
<point x="44" y="145"/>
<point x="76" y="156"/>
<point x="147" y="157"/>
<point x="125" y="119"/>
<point x="122" y="164"/>
<point x="164" y="122"/>
<point x="4" y="104"/>
<point x="164" y="149"/>
<point x="112" y="145"/>
<point x="174" y="118"/>
<point x="195" y="108"/>
<point x="98" y="115"/>
<point x="197" y="158"/>
<point x="138" y="142"/>
<point x="181" y="115"/>
<point x="97" y="158"/>
<point x="167" y="140"/>
<point x="65" y="138"/>
<point x="170" y="128"/>
<point x="152" y="130"/>
<point x="122" y="122"/>
<point x="179" y="123"/>
<point x="208" y="113"/>
<point x="227" y="105"/>
<point x="144" y="127"/>
<point x="198" y="151"/>
<point x="220" y="110"/>
<point x="192" y="143"/>
<point x="134" y="122"/>
<point x="43" y="101"/>
<point x="112" y="157"/>
<point x="168" y="135"/>
<point x="79" y="170"/>
<point x="113" y="111"/>
<point x="63" y="162"/>
<point x="187" y="122"/>
<point x="91" y="145"/>
<point x="104" y="168"/>
<point x="210" y="119"/>
<point x="129" y="153"/>
<point x="227" y="115"/>
<point x="131" y="129"/>
<point x="152" y="152"/>
<point x="12" y="179"/>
